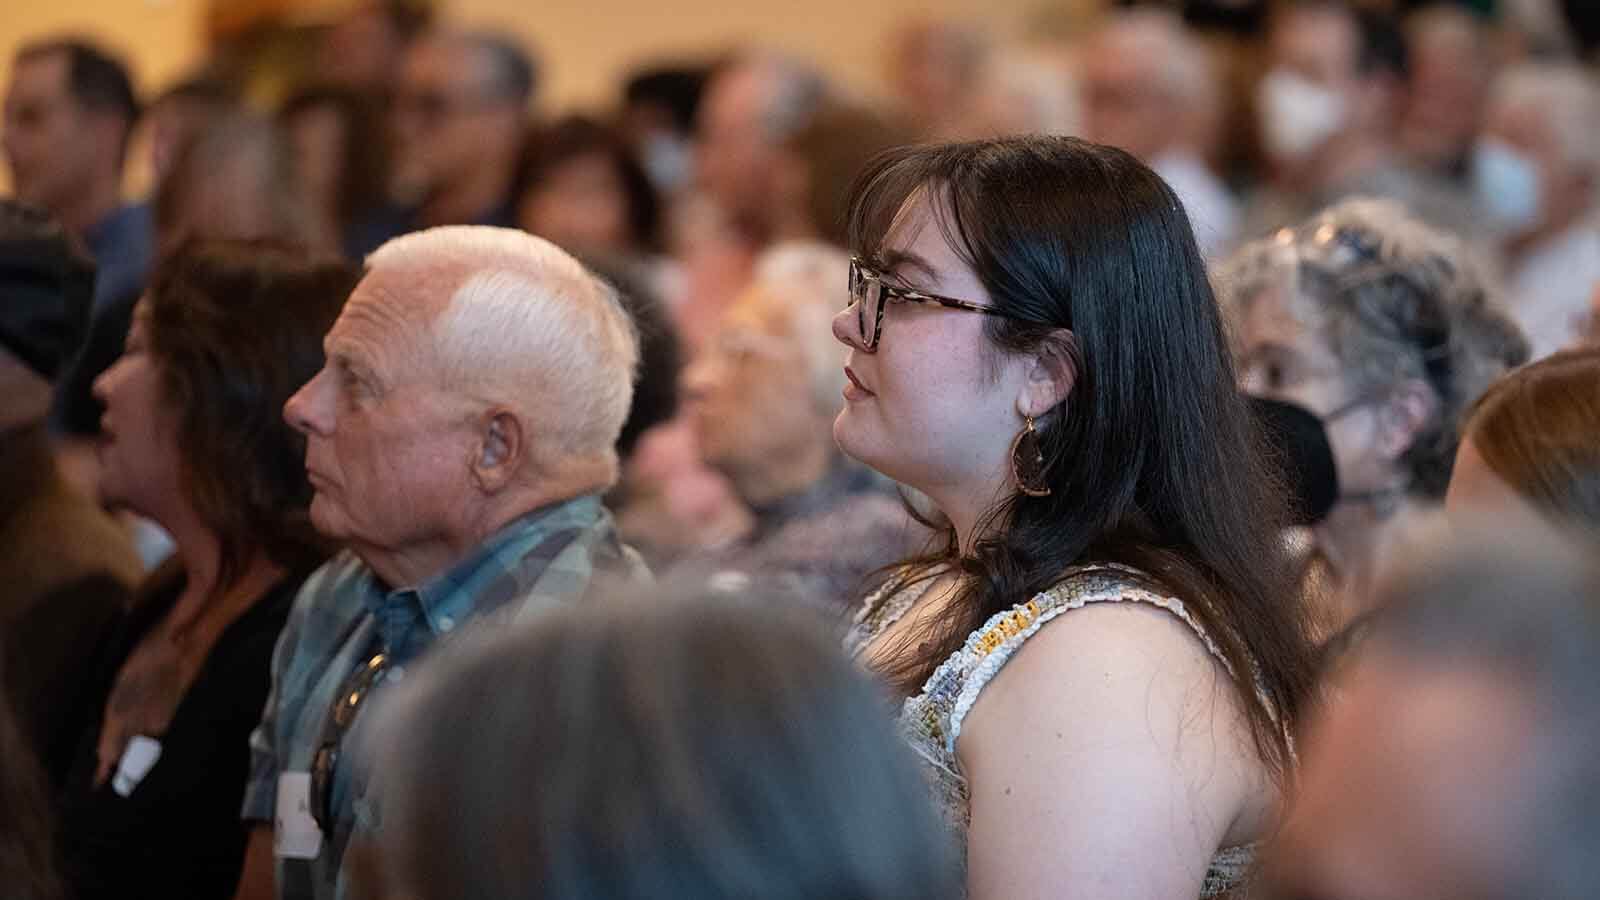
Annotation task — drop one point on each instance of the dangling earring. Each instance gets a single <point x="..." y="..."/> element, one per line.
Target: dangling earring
<point x="1027" y="462"/>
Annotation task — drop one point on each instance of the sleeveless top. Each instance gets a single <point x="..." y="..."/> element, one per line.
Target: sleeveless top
<point x="931" y="720"/>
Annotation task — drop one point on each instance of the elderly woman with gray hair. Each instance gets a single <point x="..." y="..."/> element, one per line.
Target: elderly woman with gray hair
<point x="1386" y="331"/>
<point x="761" y="399"/>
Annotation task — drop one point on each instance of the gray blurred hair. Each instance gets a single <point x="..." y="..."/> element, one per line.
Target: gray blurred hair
<point x="799" y="91"/>
<point x="524" y="325"/>
<point x="1410" y="303"/>
<point x="811" y="280"/>
<point x="1524" y="609"/>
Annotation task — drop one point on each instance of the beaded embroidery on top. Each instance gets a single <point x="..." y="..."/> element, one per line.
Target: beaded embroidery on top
<point x="931" y="720"/>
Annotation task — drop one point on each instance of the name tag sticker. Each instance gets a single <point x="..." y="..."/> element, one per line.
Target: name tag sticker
<point x="137" y="761"/>
<point x="295" y="834"/>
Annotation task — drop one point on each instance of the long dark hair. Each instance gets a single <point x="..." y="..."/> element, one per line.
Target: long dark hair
<point x="1153" y="460"/>
<point x="26" y="855"/>
<point x="236" y="328"/>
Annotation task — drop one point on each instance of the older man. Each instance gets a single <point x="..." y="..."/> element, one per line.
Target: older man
<point x="461" y="108"/>
<point x="1536" y="170"/>
<point x="762" y="396"/>
<point x="458" y="440"/>
<point x="1151" y="89"/>
<point x="753" y="105"/>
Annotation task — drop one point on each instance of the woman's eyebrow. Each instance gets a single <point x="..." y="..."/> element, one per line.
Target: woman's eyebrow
<point x="896" y="261"/>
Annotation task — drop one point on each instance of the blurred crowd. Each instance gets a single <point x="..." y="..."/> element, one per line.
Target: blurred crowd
<point x="647" y="464"/>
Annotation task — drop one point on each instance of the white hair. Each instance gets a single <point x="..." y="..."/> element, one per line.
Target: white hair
<point x="524" y="325"/>
<point x="811" y="280"/>
<point x="1566" y="95"/>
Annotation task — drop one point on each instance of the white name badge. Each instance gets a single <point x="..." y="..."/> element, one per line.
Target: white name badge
<point x="137" y="760"/>
<point x="295" y="834"/>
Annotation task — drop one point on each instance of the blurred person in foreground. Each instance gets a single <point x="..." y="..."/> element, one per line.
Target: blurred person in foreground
<point x="1033" y="345"/>
<point x="1451" y="67"/>
<point x="1537" y="173"/>
<point x="1387" y="331"/>
<point x="460" y="110"/>
<point x="1329" y="108"/>
<point x="193" y="439"/>
<point x="1462" y="758"/>
<point x="1530" y="452"/>
<point x="458" y="440"/>
<point x="70" y="110"/>
<point x="689" y="747"/>
<point x="1150" y="88"/>
<point x="760" y="398"/>
<point x="580" y="187"/>
<point x="66" y="566"/>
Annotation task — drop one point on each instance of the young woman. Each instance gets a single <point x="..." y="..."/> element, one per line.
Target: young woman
<point x="1104" y="658"/>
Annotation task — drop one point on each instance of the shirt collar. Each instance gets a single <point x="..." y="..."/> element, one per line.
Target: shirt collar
<point x="493" y="573"/>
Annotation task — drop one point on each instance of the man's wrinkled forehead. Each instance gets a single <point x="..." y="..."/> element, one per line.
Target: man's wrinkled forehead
<point x="398" y="304"/>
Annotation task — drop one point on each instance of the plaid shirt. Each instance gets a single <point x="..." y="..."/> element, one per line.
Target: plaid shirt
<point x="343" y="615"/>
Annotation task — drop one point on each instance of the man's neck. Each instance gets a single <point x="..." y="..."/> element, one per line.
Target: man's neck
<point x="483" y="190"/>
<point x="99" y="199"/>
<point x="421" y="561"/>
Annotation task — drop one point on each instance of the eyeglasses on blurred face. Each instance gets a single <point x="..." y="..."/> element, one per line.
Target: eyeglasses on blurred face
<point x="869" y="293"/>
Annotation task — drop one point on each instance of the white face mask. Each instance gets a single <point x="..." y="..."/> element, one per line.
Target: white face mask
<point x="1506" y="183"/>
<point x="668" y="160"/>
<point x="1297" y="115"/>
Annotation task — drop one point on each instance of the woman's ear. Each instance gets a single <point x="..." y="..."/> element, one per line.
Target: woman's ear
<point x="1050" y="375"/>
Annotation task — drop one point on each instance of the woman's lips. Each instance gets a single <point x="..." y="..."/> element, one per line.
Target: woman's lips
<point x="855" y="390"/>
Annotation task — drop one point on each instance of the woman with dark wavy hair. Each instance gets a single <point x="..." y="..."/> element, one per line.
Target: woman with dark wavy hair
<point x="1102" y="658"/>
<point x="194" y="438"/>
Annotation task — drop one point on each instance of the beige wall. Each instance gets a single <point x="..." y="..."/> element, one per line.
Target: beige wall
<point x="586" y="44"/>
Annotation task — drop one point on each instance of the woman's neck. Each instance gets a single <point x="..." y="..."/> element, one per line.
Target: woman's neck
<point x="970" y="509"/>
<point x="206" y="596"/>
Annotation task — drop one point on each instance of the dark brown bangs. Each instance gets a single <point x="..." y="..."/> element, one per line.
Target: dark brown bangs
<point x="880" y="192"/>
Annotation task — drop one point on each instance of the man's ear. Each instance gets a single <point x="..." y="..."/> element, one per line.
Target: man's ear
<point x="1410" y="407"/>
<point x="1051" y="374"/>
<point x="500" y="452"/>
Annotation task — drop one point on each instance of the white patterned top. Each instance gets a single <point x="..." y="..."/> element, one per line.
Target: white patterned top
<point x="931" y="720"/>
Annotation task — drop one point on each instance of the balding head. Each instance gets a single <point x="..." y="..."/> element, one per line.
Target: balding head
<point x="475" y="375"/>
<point x="516" y="321"/>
